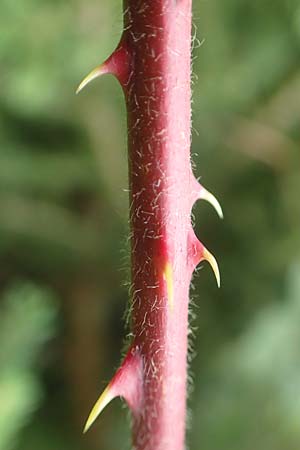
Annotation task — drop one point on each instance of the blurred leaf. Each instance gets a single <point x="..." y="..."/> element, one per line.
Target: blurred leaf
<point x="27" y="321"/>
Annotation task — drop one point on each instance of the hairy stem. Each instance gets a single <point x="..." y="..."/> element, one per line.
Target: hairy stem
<point x="158" y="105"/>
<point x="153" y="65"/>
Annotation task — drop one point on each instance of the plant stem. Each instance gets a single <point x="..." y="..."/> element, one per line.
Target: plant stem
<point x="158" y="105"/>
<point x="153" y="65"/>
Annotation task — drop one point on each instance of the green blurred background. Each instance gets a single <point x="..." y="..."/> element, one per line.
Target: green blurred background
<point x="64" y="227"/>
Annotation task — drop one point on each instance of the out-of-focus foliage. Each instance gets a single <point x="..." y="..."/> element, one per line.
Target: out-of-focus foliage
<point x="63" y="224"/>
<point x="252" y="388"/>
<point x="27" y="321"/>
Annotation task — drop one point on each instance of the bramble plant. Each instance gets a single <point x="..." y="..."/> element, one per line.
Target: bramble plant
<point x="153" y="65"/>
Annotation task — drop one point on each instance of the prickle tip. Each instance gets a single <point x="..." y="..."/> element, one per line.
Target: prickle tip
<point x="101" y="403"/>
<point x="95" y="73"/>
<point x="207" y="256"/>
<point x="210" y="198"/>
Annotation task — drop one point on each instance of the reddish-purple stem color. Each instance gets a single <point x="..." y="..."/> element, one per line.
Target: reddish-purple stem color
<point x="159" y="112"/>
<point x="153" y="65"/>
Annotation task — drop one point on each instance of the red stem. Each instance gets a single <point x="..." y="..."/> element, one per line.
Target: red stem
<point x="153" y="65"/>
<point x="158" y="105"/>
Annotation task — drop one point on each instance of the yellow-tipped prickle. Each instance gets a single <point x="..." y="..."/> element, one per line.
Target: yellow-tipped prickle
<point x="105" y="398"/>
<point x="207" y="256"/>
<point x="95" y="73"/>
<point x="210" y="198"/>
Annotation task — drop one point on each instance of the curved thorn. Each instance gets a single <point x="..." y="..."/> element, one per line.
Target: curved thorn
<point x="106" y="397"/>
<point x="116" y="64"/>
<point x="210" y="198"/>
<point x="95" y="73"/>
<point x="126" y="383"/>
<point x="207" y="256"/>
